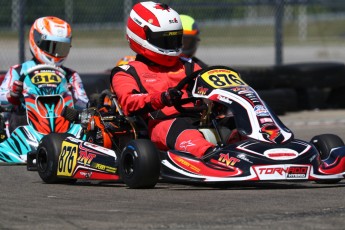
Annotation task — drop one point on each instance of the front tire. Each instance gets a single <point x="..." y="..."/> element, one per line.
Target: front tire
<point x="139" y="164"/>
<point x="47" y="157"/>
<point x="324" y="143"/>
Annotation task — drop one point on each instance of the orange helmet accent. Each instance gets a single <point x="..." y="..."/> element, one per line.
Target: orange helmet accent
<point x="50" y="40"/>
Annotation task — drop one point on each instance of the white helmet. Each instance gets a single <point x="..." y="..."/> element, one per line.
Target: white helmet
<point x="154" y="30"/>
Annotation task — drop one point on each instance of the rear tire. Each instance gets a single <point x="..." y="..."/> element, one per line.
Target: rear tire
<point x="47" y="158"/>
<point x="139" y="164"/>
<point x="324" y="143"/>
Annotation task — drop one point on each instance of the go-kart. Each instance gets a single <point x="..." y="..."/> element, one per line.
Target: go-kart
<point x="45" y="95"/>
<point x="253" y="144"/>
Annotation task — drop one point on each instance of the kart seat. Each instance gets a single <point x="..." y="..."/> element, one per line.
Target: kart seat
<point x="209" y="135"/>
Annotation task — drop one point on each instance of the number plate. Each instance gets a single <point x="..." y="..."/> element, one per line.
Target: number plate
<point x="222" y="78"/>
<point x="67" y="159"/>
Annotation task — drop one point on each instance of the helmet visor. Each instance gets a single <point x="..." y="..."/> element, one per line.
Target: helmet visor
<point x="168" y="40"/>
<point x="51" y="46"/>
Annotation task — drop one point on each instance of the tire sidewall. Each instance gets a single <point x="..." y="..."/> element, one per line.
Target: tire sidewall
<point x="51" y="145"/>
<point x="325" y="143"/>
<point x="143" y="156"/>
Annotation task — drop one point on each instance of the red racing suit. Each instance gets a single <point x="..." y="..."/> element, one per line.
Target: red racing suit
<point x="140" y="94"/>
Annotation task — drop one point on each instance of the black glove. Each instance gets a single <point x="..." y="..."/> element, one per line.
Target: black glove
<point x="171" y="96"/>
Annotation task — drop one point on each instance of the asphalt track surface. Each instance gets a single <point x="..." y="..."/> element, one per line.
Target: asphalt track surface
<point x="27" y="203"/>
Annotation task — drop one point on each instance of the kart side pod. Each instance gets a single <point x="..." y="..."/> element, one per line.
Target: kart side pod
<point x="63" y="158"/>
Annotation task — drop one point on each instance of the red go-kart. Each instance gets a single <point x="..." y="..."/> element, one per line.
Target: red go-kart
<point x="253" y="144"/>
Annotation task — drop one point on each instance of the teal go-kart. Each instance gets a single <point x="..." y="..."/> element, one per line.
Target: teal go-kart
<point x="45" y="95"/>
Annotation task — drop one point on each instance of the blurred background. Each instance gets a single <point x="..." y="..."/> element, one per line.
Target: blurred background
<point x="293" y="43"/>
<point x="233" y="32"/>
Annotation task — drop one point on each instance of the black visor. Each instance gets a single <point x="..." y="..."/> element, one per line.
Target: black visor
<point x="54" y="48"/>
<point x="168" y="40"/>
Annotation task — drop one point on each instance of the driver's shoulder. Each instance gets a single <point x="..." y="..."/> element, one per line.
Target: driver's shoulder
<point x="23" y="67"/>
<point x="69" y="72"/>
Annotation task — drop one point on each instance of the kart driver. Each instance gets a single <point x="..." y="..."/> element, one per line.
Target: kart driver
<point x="50" y="41"/>
<point x="190" y="39"/>
<point x="145" y="86"/>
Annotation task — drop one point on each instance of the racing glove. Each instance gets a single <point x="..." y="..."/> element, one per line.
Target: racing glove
<point x="15" y="92"/>
<point x="171" y="96"/>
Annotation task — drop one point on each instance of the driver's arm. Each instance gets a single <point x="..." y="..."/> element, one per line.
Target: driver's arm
<point x="130" y="98"/>
<point x="6" y="85"/>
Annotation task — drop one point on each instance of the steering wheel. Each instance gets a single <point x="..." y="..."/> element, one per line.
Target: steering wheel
<point x="188" y="82"/>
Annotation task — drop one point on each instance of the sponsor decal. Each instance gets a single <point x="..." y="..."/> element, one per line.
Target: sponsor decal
<point x="202" y="90"/>
<point x="243" y="157"/>
<point x="252" y="97"/>
<point x="104" y="167"/>
<point x="85" y="158"/>
<point x="266" y="120"/>
<point x="236" y="89"/>
<point x="297" y="172"/>
<point x="270" y="131"/>
<point x="149" y="75"/>
<point x="228" y="161"/>
<point x="261" y="111"/>
<point x="281" y="154"/>
<point x="138" y="95"/>
<point x="173" y="21"/>
<point x="86" y="174"/>
<point x="281" y="172"/>
<point x="187" y="164"/>
<point x="139" y="22"/>
<point x="224" y="99"/>
<point x="200" y="168"/>
<point x="47" y="85"/>
<point x="185" y="144"/>
<point x="245" y="92"/>
<point x="150" y="80"/>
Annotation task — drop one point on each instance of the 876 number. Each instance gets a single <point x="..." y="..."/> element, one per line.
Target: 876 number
<point x="225" y="80"/>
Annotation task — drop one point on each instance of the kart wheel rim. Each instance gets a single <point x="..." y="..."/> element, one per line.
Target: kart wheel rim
<point x="42" y="159"/>
<point x="128" y="165"/>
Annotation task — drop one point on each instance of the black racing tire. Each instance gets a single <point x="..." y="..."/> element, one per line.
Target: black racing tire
<point x="139" y="164"/>
<point x="324" y="143"/>
<point x="47" y="158"/>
